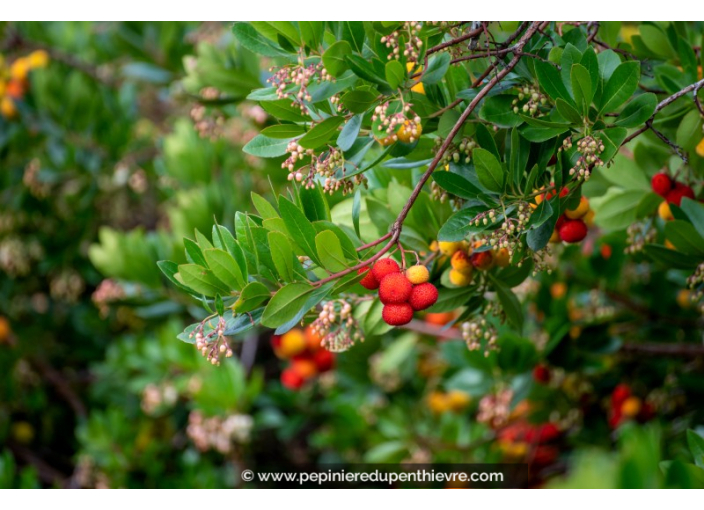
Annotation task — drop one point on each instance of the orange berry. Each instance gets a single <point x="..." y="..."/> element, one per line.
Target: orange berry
<point x="293" y="342"/>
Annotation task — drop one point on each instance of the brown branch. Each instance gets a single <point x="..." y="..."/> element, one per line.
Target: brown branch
<point x="457" y="40"/>
<point x="397" y="226"/>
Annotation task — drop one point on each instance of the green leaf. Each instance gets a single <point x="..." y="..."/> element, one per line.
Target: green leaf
<point x="689" y="132"/>
<point x="568" y="111"/>
<point x="395" y="73"/>
<point x="286" y="131"/>
<point x="334" y="58"/>
<point x="264" y="208"/>
<point x="551" y="82"/>
<point x="330" y="251"/>
<point x="696" y="447"/>
<point x="621" y="86"/>
<point x="456" y="184"/>
<point x="498" y="110"/>
<point x="612" y="139"/>
<point x="451" y="299"/>
<point x="509" y="303"/>
<point x="321" y="133"/>
<point x="299" y="227"/>
<point x="225" y="268"/>
<point x="437" y="67"/>
<point x="219" y="305"/>
<point x="285" y="304"/>
<point x="349" y="133"/>
<point x="253" y="295"/>
<point x="312" y="32"/>
<point x="353" y="32"/>
<point x="282" y="109"/>
<point x="695" y="212"/>
<point x="582" y="87"/>
<point x="489" y="170"/>
<point x="282" y="254"/>
<point x="265" y="147"/>
<point x="356" y="207"/>
<point x="170" y="269"/>
<point x="358" y="101"/>
<point x="194" y="254"/>
<point x="656" y="41"/>
<point x="637" y="111"/>
<point x="458" y="225"/>
<point x="312" y="301"/>
<point x="670" y="258"/>
<point x="684" y="237"/>
<point x="201" y="280"/>
<point x="315" y="205"/>
<point x="255" y="42"/>
<point x="364" y="69"/>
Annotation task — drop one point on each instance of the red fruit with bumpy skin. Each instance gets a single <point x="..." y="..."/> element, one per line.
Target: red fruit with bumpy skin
<point x="482" y="260"/>
<point x="541" y="374"/>
<point x="384" y="267"/>
<point x="324" y="360"/>
<point x="619" y="395"/>
<point x="423" y="296"/>
<point x="679" y="191"/>
<point x="661" y="184"/>
<point x="573" y="231"/>
<point x="397" y="315"/>
<point x="291" y="379"/>
<point x="368" y="282"/>
<point x="395" y="289"/>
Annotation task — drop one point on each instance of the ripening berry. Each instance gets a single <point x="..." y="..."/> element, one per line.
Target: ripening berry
<point x="589" y="218"/>
<point x="543" y="433"/>
<point x="482" y="260"/>
<point x="313" y="339"/>
<point x="450" y="247"/>
<point x="619" y="395"/>
<point x="581" y="210"/>
<point x="291" y="379"/>
<point x="461" y="261"/>
<point x="305" y="367"/>
<point x="38" y="58"/>
<point x="397" y="315"/>
<point x="409" y="131"/>
<point x="440" y="319"/>
<point x="573" y="231"/>
<point x="324" y="360"/>
<point x="368" y="282"/>
<point x="661" y="184"/>
<point x="502" y="257"/>
<point x="412" y="68"/>
<point x="679" y="191"/>
<point x="459" y="278"/>
<point x="417" y="274"/>
<point x="20" y="68"/>
<point x="664" y="212"/>
<point x="423" y="296"/>
<point x="631" y="407"/>
<point x="4" y="329"/>
<point x="541" y="374"/>
<point x="293" y="342"/>
<point x="383" y="267"/>
<point x="15" y="89"/>
<point x="457" y="400"/>
<point x="437" y="402"/>
<point x="7" y="108"/>
<point x="700" y="147"/>
<point x="555" y="237"/>
<point x="395" y="289"/>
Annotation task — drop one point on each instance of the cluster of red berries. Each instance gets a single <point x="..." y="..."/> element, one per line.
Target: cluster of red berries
<point x="625" y="406"/>
<point x="304" y="350"/>
<point x="672" y="191"/>
<point x="401" y="293"/>
<point x="522" y="439"/>
<point x="572" y="225"/>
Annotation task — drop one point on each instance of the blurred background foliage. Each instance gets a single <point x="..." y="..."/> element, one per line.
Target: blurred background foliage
<point x="126" y="138"/>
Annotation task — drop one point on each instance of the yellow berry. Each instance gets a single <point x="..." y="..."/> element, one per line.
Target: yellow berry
<point x="664" y="212"/>
<point x="417" y="274"/>
<point x="409" y="132"/>
<point x="292" y="342"/>
<point x="589" y="218"/>
<point x="700" y="146"/>
<point x="7" y="107"/>
<point x="461" y="261"/>
<point x="449" y="247"/>
<point x="631" y="407"/>
<point x="39" y="58"/>
<point x="460" y="278"/>
<point x="19" y="69"/>
<point x="502" y="258"/>
<point x="684" y="298"/>
<point x="412" y="69"/>
<point x="457" y="400"/>
<point x="581" y="210"/>
<point x="437" y="402"/>
<point x="555" y="237"/>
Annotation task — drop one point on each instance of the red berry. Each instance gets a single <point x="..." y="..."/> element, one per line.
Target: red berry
<point x="542" y="433"/>
<point x="482" y="260"/>
<point x="383" y="267"/>
<point x="560" y="221"/>
<point x="619" y="395"/>
<point x="572" y="231"/>
<point x="324" y="360"/>
<point x="397" y="315"/>
<point x="661" y="184"/>
<point x="678" y="193"/>
<point x="423" y="296"/>
<point x="541" y="374"/>
<point x="564" y="192"/>
<point x="368" y="282"/>
<point x="395" y="289"/>
<point x="291" y="379"/>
